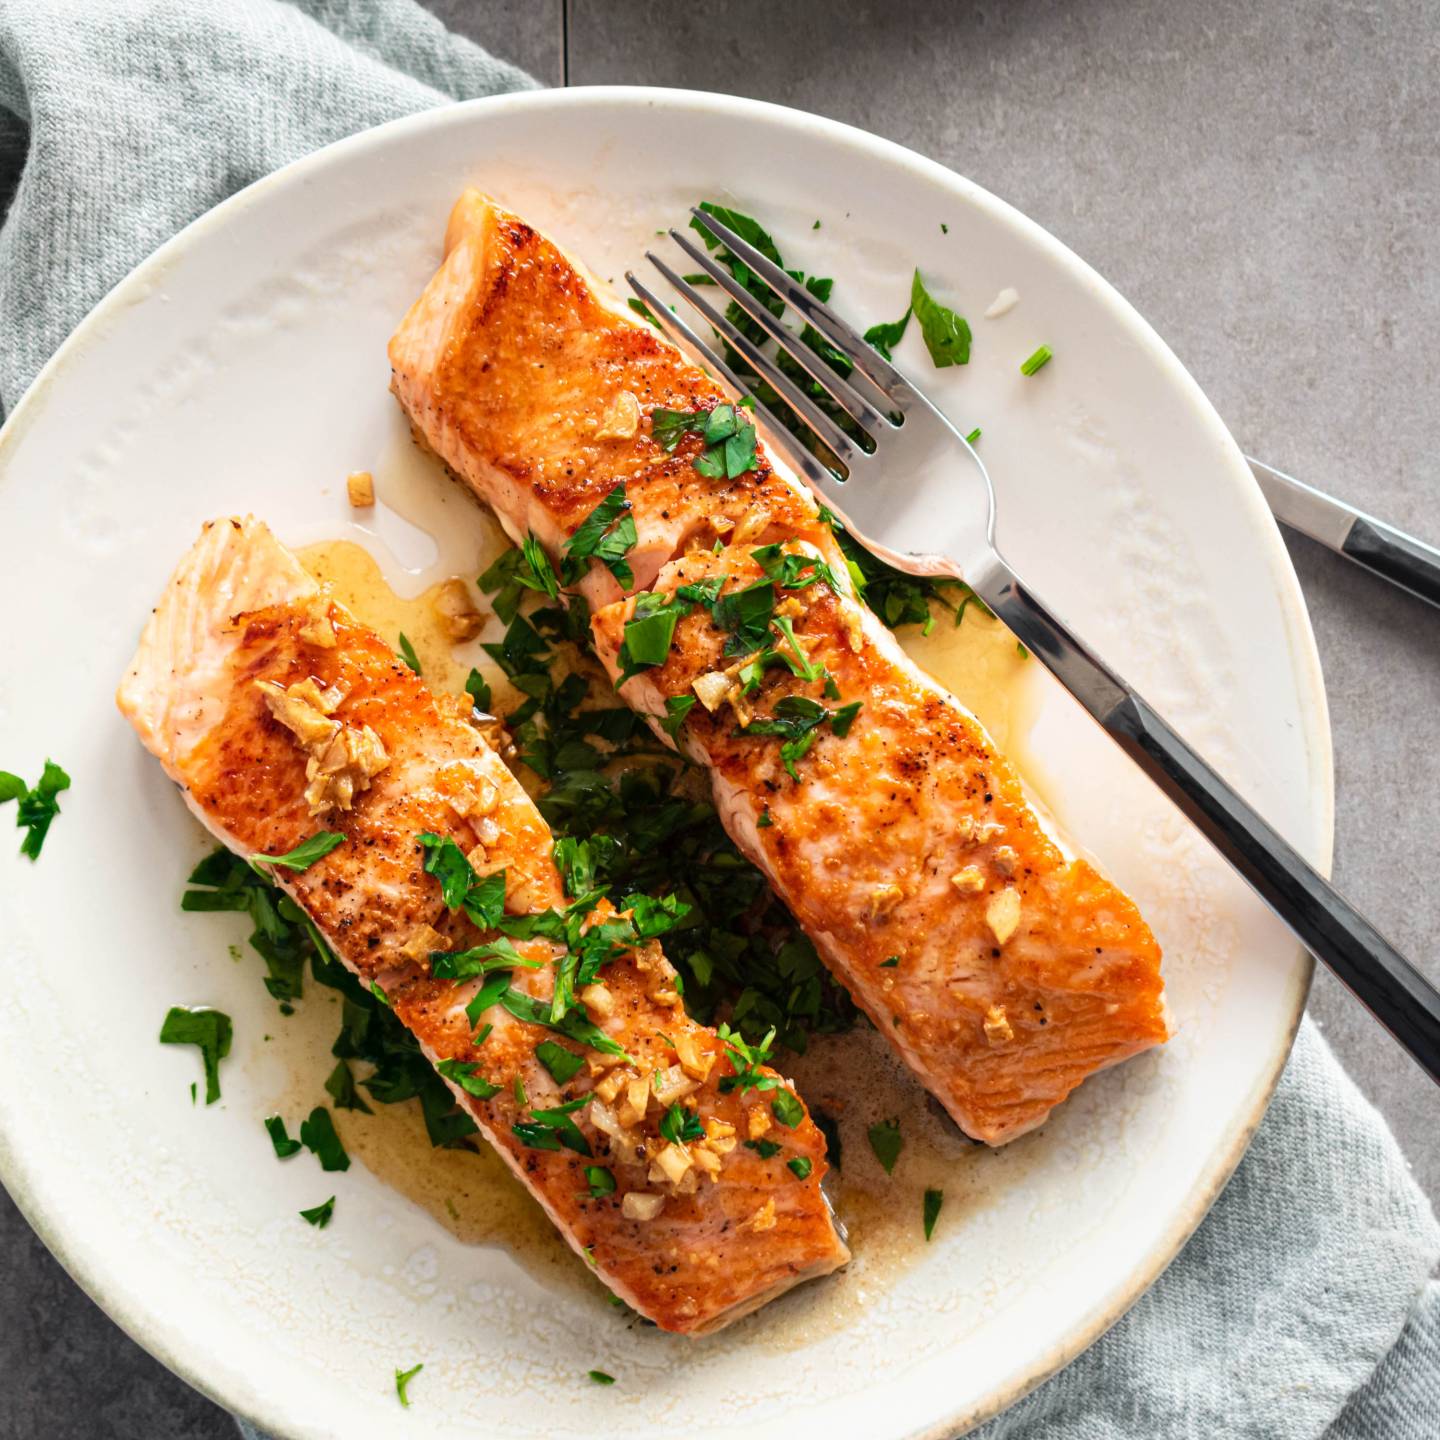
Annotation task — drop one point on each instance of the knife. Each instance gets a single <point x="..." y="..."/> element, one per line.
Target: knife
<point x="1377" y="547"/>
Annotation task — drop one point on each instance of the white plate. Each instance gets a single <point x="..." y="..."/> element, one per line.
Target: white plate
<point x="243" y="368"/>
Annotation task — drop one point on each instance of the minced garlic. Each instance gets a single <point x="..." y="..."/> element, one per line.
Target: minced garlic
<point x="1002" y="914"/>
<point x="360" y="487"/>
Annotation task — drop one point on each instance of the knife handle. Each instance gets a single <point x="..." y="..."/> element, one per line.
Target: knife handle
<point x="1396" y="557"/>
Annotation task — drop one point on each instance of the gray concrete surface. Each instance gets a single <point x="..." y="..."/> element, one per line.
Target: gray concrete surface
<point x="1261" y="181"/>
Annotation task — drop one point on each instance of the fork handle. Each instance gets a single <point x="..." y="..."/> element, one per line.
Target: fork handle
<point x="1394" y="991"/>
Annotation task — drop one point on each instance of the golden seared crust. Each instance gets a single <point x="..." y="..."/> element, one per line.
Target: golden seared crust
<point x="1002" y="972"/>
<point x="691" y="1237"/>
<point x="516" y="371"/>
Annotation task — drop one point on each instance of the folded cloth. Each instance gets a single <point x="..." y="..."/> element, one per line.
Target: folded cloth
<point x="1301" y="1307"/>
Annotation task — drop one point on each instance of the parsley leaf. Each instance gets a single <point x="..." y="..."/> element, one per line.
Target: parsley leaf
<point x="478" y="688"/>
<point x="647" y="635"/>
<point x="600" y="1180"/>
<point x="285" y="1147"/>
<point x="306" y="853"/>
<point x="677" y="707"/>
<point x="766" y="1149"/>
<point x="746" y="1060"/>
<point x="600" y="1377"/>
<point x="446" y="861"/>
<point x="402" y="1382"/>
<point x="787" y="1108"/>
<point x="464" y="1075"/>
<point x="342" y="1091"/>
<point x="934" y="1199"/>
<point x="319" y="1215"/>
<point x="209" y="1030"/>
<point x="746" y="613"/>
<point x="888" y="333"/>
<point x="607" y="534"/>
<point x="553" y="1129"/>
<point x="317" y="1135"/>
<point x="801" y="1166"/>
<point x="946" y="334"/>
<point x="887" y="1143"/>
<point x="37" y="805"/>
<point x="407" y="653"/>
<point x="681" y="1126"/>
<point x="482" y="900"/>
<point x="561" y="1063"/>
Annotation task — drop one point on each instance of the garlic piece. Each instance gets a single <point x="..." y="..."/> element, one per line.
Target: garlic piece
<point x="621" y="418"/>
<point x="997" y="1026"/>
<point x="639" y="1206"/>
<point x="1002" y="914"/>
<point x="457" y="616"/>
<point x="968" y="881"/>
<point x="360" y="487"/>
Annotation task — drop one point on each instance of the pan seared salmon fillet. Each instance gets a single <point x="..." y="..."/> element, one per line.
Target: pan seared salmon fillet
<point x="280" y="716"/>
<point x="1002" y="972"/>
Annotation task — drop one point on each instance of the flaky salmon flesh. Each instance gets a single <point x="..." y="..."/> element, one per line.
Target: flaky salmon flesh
<point x="1003" y="972"/>
<point x="280" y="716"/>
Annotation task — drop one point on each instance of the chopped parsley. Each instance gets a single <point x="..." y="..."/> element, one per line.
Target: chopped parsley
<point x="746" y="1060"/>
<point x="317" y="1135"/>
<point x="787" y="1108"/>
<point x="764" y="822"/>
<point x="402" y="1383"/>
<point x="677" y="707"/>
<point x="306" y="853"/>
<point x="681" y="1126"/>
<point x="478" y="688"/>
<point x="407" y="653"/>
<point x="648" y="633"/>
<point x="341" y="1089"/>
<point x="600" y="1180"/>
<point x="319" y="1215"/>
<point x="210" y="1031"/>
<point x="466" y="1076"/>
<point x="800" y="1166"/>
<point x="796" y="719"/>
<point x="369" y="1029"/>
<point x="1037" y="361"/>
<point x="973" y="436"/>
<point x="766" y="1149"/>
<point x="37" y="805"/>
<point x="483" y="900"/>
<point x="946" y="334"/>
<point x="887" y="1143"/>
<point x="562" y="1064"/>
<point x="930" y="1212"/>
<point x="553" y="1129"/>
<point x="727" y="438"/>
<point x="600" y="1377"/>
<point x="889" y="333"/>
<point x="285" y="1147"/>
<point x="890" y="964"/>
<point x="897" y="598"/>
<point x="607" y="534"/>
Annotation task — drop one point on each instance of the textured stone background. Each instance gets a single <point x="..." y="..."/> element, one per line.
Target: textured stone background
<point x="1261" y="181"/>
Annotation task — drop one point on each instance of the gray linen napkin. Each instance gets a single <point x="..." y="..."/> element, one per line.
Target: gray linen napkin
<point x="1301" y="1308"/>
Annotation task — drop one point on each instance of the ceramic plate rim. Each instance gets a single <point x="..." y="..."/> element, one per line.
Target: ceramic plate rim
<point x="120" y="1302"/>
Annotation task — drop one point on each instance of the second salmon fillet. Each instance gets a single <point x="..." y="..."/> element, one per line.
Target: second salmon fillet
<point x="280" y="716"/>
<point x="1003" y="972"/>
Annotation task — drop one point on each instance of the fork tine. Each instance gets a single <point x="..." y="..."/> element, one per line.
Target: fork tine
<point x="831" y="381"/>
<point x="776" y="436"/>
<point x="866" y="359"/>
<point x="809" y="412"/>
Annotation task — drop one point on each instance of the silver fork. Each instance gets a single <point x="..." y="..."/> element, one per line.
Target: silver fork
<point x="935" y="516"/>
